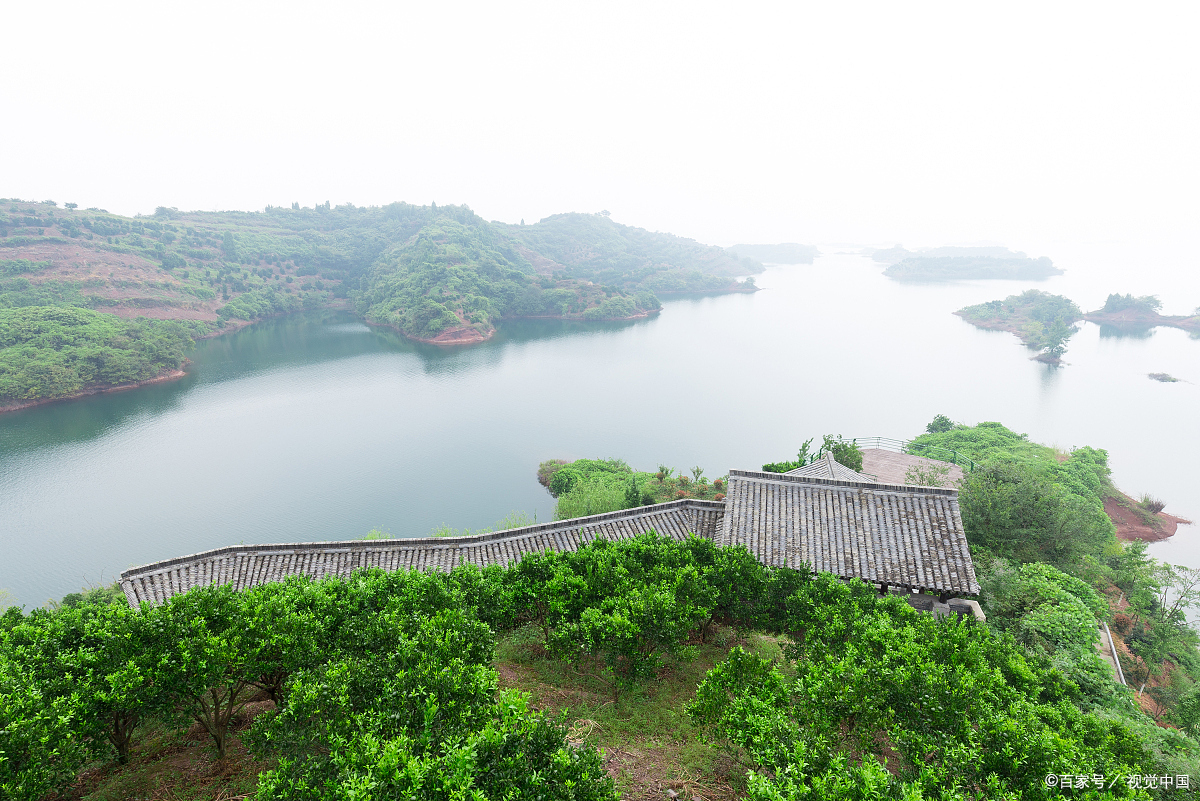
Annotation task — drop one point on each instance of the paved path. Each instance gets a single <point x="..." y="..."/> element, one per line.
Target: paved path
<point x="889" y="467"/>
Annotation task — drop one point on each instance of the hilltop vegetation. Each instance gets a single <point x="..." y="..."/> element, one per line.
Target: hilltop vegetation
<point x="459" y="280"/>
<point x="1044" y="322"/>
<point x="433" y="273"/>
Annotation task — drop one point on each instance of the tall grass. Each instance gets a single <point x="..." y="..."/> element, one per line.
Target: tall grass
<point x="592" y="497"/>
<point x="1151" y="504"/>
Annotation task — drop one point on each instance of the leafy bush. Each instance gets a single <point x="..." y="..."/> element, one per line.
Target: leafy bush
<point x="547" y="469"/>
<point x="872" y="674"/>
<point x="1043" y="606"/>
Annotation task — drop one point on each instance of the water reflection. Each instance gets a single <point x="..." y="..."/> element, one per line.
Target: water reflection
<point x="1131" y="331"/>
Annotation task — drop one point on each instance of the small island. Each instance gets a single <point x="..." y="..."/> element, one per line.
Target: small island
<point x="1042" y="321"/>
<point x="961" y="263"/>
<point x="1130" y="314"/>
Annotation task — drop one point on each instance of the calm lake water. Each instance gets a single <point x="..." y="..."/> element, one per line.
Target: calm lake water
<point x="316" y="427"/>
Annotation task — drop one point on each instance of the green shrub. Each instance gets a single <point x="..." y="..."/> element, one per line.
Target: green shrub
<point x="591" y="496"/>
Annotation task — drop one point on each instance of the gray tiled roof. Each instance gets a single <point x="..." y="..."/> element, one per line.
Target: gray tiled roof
<point x="247" y="565"/>
<point x="898" y="535"/>
<point x="827" y="467"/>
<point x="884" y="533"/>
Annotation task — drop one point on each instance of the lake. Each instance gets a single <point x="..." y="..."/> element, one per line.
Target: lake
<point x="316" y="427"/>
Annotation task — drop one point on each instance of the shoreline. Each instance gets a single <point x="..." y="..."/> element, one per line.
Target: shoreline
<point x="993" y="324"/>
<point x="1140" y="320"/>
<point x="231" y="326"/>
<point x="172" y="375"/>
<point x="466" y="335"/>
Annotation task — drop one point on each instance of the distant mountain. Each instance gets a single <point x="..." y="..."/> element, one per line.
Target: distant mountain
<point x="784" y="253"/>
<point x="960" y="263"/>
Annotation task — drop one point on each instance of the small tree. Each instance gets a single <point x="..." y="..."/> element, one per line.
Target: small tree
<point x="940" y="425"/>
<point x="205" y="660"/>
<point x="633" y="496"/>
<point x="845" y="452"/>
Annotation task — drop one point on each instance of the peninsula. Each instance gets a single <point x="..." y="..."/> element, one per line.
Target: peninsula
<point x="91" y="301"/>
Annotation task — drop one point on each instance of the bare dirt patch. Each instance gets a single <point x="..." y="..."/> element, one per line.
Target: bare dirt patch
<point x="1132" y="526"/>
<point x="138" y="286"/>
<point x="79" y="262"/>
<point x="653" y="773"/>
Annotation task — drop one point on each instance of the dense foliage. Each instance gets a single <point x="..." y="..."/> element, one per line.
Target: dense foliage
<point x="465" y="274"/>
<point x="51" y="351"/>
<point x="1043" y="548"/>
<point x="384" y="685"/>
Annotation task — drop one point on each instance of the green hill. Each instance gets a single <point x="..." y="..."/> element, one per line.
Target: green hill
<point x="434" y="273"/>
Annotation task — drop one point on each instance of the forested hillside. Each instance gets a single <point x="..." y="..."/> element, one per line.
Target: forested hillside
<point x="434" y="273"/>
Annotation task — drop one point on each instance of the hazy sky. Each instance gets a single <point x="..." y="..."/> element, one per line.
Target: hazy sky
<point x="923" y="123"/>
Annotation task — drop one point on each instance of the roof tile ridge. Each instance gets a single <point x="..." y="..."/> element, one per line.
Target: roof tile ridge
<point x="411" y="542"/>
<point x="756" y="475"/>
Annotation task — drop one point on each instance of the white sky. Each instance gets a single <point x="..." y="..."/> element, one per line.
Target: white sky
<point x="922" y="123"/>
